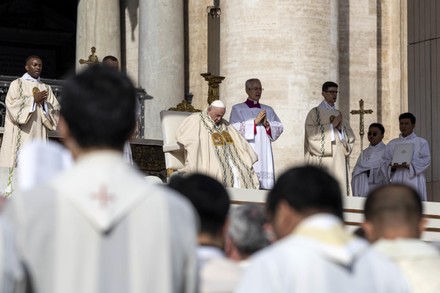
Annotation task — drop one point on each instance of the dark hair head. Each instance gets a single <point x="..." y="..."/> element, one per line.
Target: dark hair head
<point x="328" y="84"/>
<point x="378" y="125"/>
<point x="99" y="107"/>
<point x="308" y="190"/>
<point x="408" y="115"/>
<point x="209" y="198"/>
<point x="109" y="57"/>
<point x="394" y="204"/>
<point x="32" y="57"/>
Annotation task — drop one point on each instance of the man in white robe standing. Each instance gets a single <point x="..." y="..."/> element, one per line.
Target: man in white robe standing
<point x="100" y="226"/>
<point x="367" y="173"/>
<point x="314" y="252"/>
<point x="394" y="222"/>
<point x="259" y="125"/>
<point x="329" y="139"/>
<point x="31" y="111"/>
<point x="410" y="173"/>
<point x="215" y="148"/>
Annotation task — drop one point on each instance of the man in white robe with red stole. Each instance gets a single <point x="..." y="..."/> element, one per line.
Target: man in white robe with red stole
<point x="31" y="111"/>
<point x="329" y="139"/>
<point x="215" y="148"/>
<point x="410" y="173"/>
<point x="100" y="226"/>
<point x="260" y="126"/>
<point x="367" y="173"/>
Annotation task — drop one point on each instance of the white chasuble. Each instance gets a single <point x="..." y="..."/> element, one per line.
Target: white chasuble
<point x="101" y="227"/>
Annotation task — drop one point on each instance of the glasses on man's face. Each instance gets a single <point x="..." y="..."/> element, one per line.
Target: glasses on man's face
<point x="374" y="134"/>
<point x="332" y="92"/>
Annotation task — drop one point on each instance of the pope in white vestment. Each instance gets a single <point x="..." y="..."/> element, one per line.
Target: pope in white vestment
<point x="260" y="135"/>
<point x="26" y="119"/>
<point x="326" y="145"/>
<point x="367" y="173"/>
<point x="215" y="148"/>
<point x="412" y="173"/>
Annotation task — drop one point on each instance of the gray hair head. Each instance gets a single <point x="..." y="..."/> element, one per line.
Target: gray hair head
<point x="247" y="228"/>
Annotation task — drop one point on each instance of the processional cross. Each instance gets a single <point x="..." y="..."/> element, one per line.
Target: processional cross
<point x="361" y="113"/>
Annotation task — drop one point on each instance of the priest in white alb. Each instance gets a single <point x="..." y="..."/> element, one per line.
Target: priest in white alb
<point x="329" y="138"/>
<point x="260" y="126"/>
<point x="367" y="173"/>
<point x="214" y="147"/>
<point x="411" y="172"/>
<point x="100" y="226"/>
<point x="31" y="111"/>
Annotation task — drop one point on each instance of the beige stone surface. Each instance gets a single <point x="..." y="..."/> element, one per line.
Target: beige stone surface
<point x="293" y="47"/>
<point x="98" y="26"/>
<point x="161" y="59"/>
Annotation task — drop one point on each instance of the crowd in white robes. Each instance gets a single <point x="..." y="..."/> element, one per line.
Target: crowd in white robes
<point x="319" y="256"/>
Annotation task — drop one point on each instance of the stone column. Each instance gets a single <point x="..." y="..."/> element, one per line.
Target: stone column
<point x="98" y="26"/>
<point x="292" y="48"/>
<point x="161" y="59"/>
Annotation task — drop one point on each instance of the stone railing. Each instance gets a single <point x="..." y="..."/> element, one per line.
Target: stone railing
<point x="57" y="88"/>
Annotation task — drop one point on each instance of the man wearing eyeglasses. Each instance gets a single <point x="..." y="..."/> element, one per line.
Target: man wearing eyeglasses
<point x="367" y="173"/>
<point x="259" y="125"/>
<point x="329" y="139"/>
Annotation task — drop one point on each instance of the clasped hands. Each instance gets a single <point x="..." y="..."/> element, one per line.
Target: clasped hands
<point x="39" y="97"/>
<point x="261" y="118"/>
<point x="336" y="121"/>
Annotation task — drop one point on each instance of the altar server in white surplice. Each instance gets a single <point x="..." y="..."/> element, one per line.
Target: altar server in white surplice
<point x="412" y="172"/>
<point x="367" y="173"/>
<point x="100" y="226"/>
<point x="259" y="125"/>
<point x="314" y="252"/>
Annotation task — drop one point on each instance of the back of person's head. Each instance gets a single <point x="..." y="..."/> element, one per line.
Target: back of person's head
<point x="248" y="229"/>
<point x="209" y="198"/>
<point x="98" y="106"/>
<point x="328" y="84"/>
<point x="308" y="190"/>
<point x="408" y="115"/>
<point x="393" y="211"/>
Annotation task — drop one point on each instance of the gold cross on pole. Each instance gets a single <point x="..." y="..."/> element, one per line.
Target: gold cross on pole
<point x="361" y="113"/>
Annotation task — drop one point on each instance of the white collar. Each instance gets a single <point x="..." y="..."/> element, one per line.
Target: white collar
<point x="27" y="77"/>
